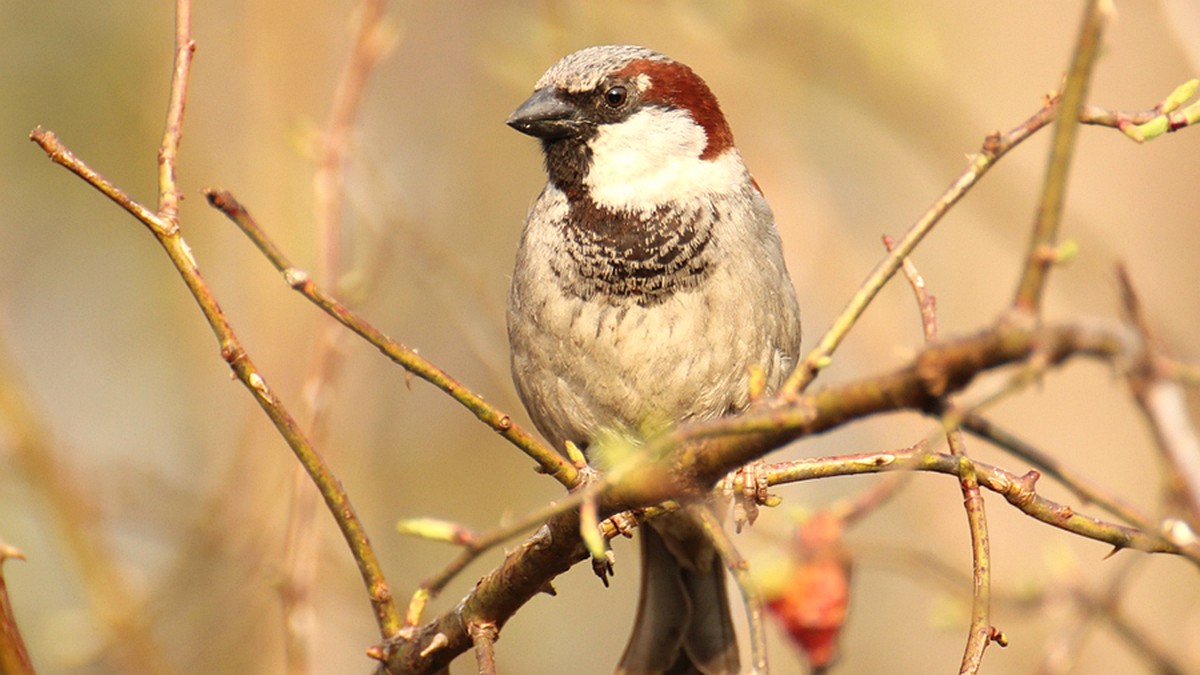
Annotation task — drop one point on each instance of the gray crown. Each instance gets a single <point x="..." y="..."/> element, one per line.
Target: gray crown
<point x="583" y="70"/>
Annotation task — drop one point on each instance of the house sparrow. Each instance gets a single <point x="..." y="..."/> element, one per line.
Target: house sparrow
<point x="649" y="283"/>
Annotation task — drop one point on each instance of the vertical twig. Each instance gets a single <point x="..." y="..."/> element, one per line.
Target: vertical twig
<point x="1042" y="251"/>
<point x="369" y="46"/>
<point x="746" y="586"/>
<point x="483" y="636"/>
<point x="168" y="153"/>
<point x="981" y="632"/>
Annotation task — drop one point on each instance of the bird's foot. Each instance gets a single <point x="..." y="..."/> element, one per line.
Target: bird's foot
<point x="754" y="483"/>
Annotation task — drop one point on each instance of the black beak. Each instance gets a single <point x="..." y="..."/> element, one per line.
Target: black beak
<point x="545" y="116"/>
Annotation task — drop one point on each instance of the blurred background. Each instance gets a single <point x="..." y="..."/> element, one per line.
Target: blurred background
<point x="149" y="493"/>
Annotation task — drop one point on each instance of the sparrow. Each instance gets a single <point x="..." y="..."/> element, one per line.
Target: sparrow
<point x="649" y="284"/>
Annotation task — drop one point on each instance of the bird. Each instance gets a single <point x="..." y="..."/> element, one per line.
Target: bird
<point x="649" y="287"/>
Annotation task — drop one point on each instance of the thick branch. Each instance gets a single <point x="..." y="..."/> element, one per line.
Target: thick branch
<point x="938" y="371"/>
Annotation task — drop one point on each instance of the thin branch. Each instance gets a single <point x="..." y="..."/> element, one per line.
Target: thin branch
<point x="1165" y="118"/>
<point x="529" y="569"/>
<point x="59" y="154"/>
<point x="475" y="545"/>
<point x="336" y="499"/>
<point x="484" y="635"/>
<point x="239" y="361"/>
<point x="432" y="586"/>
<point x="1054" y="189"/>
<point x="994" y="147"/>
<point x="369" y="45"/>
<point x="1084" y="489"/>
<point x="1019" y="490"/>
<point x="168" y="153"/>
<point x="737" y="565"/>
<point x="548" y="460"/>
<point x="938" y="371"/>
<point x="926" y="303"/>
<point x="980" y="633"/>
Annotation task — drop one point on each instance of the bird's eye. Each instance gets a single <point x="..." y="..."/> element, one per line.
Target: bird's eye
<point x="616" y="96"/>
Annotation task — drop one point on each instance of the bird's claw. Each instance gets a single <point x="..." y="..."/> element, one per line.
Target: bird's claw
<point x="753" y="494"/>
<point x="603" y="567"/>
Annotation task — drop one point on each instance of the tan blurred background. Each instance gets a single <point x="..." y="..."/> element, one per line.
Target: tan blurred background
<point x="853" y="117"/>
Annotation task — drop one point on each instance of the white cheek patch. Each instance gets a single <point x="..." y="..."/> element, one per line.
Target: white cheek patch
<point x="653" y="157"/>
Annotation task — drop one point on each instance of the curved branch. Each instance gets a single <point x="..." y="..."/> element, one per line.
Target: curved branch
<point x="548" y="460"/>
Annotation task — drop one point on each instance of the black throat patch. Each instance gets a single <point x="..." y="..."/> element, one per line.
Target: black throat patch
<point x="622" y="257"/>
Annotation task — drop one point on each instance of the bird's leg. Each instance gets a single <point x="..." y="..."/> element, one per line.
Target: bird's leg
<point x="602" y="553"/>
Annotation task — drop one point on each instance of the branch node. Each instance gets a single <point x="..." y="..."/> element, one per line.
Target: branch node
<point x="1060" y="254"/>
<point x="883" y="459"/>
<point x="378" y="653"/>
<point x="259" y="385"/>
<point x="295" y="277"/>
<point x="992" y="144"/>
<point x="439" y="641"/>
<point x="232" y="353"/>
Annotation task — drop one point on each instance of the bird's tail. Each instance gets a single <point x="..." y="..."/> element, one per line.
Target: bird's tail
<point x="683" y="625"/>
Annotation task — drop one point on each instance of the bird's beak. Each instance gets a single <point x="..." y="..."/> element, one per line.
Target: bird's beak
<point x="545" y="116"/>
